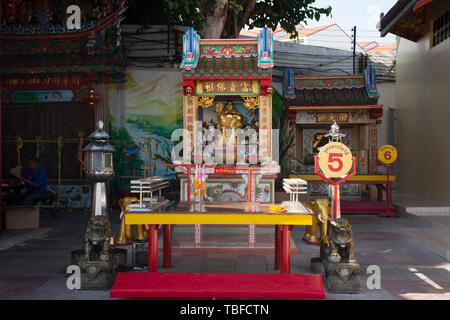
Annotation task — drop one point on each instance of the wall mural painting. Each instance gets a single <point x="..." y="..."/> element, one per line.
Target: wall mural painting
<point x="143" y="115"/>
<point x="72" y="196"/>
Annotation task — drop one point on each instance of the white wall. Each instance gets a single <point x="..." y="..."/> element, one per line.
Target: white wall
<point x="423" y="101"/>
<point x="387" y="98"/>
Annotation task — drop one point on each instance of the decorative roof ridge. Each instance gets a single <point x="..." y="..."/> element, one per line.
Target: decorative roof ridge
<point x="205" y="41"/>
<point x="105" y="23"/>
<point x="331" y="82"/>
<point x="227" y="56"/>
<point x="400" y="9"/>
<point x="194" y="48"/>
<point x="338" y="76"/>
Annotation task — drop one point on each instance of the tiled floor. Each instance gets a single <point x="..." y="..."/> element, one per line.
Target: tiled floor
<point x="35" y="269"/>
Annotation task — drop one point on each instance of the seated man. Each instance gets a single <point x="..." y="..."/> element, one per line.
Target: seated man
<point x="35" y="180"/>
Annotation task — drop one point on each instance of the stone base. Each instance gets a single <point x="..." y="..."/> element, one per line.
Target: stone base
<point x="99" y="275"/>
<point x="119" y="257"/>
<point x="341" y="277"/>
<point x="334" y="284"/>
<point x="96" y="275"/>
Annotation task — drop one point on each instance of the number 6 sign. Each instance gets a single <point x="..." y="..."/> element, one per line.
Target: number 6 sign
<point x="335" y="159"/>
<point x="387" y="154"/>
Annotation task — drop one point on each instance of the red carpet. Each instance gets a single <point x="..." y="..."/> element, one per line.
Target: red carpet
<point x="217" y="285"/>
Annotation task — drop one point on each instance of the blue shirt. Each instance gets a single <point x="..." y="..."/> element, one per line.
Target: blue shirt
<point x="38" y="177"/>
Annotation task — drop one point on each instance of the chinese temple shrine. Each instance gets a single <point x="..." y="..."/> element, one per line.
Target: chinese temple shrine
<point x="316" y="102"/>
<point x="227" y="86"/>
<point x="54" y="78"/>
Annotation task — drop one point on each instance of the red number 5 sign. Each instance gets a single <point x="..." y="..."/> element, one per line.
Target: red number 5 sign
<point x="335" y="159"/>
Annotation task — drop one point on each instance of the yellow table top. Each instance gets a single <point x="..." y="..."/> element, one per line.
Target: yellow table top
<point x="216" y="213"/>
<point x="218" y="218"/>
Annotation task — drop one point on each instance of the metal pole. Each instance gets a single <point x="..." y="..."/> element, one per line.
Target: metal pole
<point x="354" y="49"/>
<point x="335" y="201"/>
<point x="1" y="178"/>
<point x="168" y="28"/>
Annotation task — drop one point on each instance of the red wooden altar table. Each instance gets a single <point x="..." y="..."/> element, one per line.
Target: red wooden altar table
<point x="211" y="212"/>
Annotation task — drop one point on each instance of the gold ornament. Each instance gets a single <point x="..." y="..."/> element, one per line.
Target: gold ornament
<point x="205" y="101"/>
<point x="250" y="102"/>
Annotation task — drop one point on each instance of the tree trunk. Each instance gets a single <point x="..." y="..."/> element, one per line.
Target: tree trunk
<point x="214" y="16"/>
<point x="249" y="8"/>
<point x="234" y="24"/>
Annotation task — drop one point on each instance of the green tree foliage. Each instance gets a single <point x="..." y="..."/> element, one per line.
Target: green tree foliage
<point x="280" y="121"/>
<point x="253" y="13"/>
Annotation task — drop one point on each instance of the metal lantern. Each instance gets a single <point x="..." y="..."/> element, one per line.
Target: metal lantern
<point x="98" y="166"/>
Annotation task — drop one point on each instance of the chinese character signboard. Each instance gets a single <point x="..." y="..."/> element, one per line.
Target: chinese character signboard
<point x="332" y="117"/>
<point x="233" y="87"/>
<point x="46" y="81"/>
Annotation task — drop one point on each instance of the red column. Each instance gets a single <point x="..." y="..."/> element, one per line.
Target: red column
<point x="389" y="212"/>
<point x="380" y="192"/>
<point x="389" y="195"/>
<point x="188" y="181"/>
<point x="249" y="189"/>
<point x="167" y="255"/>
<point x="277" y="247"/>
<point x="285" y="250"/>
<point x="153" y="248"/>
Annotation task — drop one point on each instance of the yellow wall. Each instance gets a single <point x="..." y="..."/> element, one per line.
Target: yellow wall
<point x="423" y="102"/>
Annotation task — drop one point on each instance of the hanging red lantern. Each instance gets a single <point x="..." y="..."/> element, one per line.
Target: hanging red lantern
<point x="270" y="91"/>
<point x="188" y="91"/>
<point x="376" y="113"/>
<point x="92" y="98"/>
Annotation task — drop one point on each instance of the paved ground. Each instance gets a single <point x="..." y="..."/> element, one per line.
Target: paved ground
<point x="33" y="263"/>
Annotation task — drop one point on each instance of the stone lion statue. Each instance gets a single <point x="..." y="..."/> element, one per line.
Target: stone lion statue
<point x="340" y="240"/>
<point x="97" y="239"/>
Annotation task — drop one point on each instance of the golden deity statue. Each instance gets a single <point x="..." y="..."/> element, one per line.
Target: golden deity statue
<point x="228" y="117"/>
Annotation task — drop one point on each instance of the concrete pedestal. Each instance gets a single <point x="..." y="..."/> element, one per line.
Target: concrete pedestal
<point x="99" y="275"/>
<point x="96" y="275"/>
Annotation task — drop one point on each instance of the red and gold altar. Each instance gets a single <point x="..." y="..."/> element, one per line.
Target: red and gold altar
<point x="316" y="102"/>
<point x="227" y="86"/>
